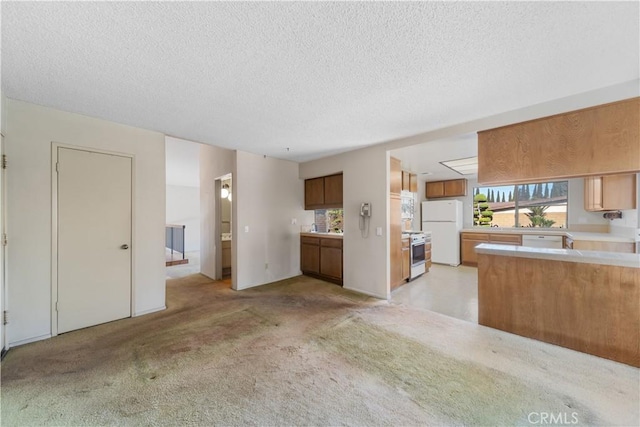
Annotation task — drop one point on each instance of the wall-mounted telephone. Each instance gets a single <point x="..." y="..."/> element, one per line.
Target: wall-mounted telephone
<point x="365" y="209"/>
<point x="365" y="217"/>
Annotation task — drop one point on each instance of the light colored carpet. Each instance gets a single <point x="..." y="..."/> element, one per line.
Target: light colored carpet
<point x="305" y="352"/>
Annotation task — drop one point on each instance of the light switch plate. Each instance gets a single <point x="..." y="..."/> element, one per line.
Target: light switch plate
<point x="246" y="228"/>
<point x="378" y="231"/>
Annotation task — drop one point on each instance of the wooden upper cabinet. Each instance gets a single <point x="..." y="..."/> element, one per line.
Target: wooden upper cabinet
<point x="610" y="192"/>
<point x="395" y="176"/>
<point x="434" y="189"/>
<point x="406" y="185"/>
<point x="455" y="188"/>
<point x="313" y="192"/>
<point x="333" y="190"/>
<point x="323" y="192"/>
<point x="413" y="183"/>
<point x="599" y="140"/>
<point x="450" y="188"/>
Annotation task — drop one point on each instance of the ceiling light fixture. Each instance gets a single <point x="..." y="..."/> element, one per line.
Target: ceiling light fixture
<point x="466" y="166"/>
<point x="224" y="191"/>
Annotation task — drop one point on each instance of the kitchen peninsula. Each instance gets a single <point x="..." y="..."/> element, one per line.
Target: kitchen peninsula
<point x="583" y="300"/>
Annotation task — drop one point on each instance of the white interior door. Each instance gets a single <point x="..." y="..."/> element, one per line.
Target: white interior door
<point x="94" y="238"/>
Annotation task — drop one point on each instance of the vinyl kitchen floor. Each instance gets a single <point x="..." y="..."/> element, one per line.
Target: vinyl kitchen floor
<point x="452" y="291"/>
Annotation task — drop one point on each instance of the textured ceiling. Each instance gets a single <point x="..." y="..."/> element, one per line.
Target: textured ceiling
<point x="317" y="78"/>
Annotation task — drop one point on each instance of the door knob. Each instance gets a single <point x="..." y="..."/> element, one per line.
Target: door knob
<point x="125" y="246"/>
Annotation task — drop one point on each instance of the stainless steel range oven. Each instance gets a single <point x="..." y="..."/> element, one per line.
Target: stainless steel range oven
<point x="418" y="241"/>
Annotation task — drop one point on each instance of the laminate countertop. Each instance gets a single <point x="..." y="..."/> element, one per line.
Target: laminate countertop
<point x="567" y="255"/>
<point x="323" y="235"/>
<point x="575" y="235"/>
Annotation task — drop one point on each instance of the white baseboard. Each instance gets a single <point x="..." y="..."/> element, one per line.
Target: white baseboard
<point x="151" y="310"/>
<point x="28" y="340"/>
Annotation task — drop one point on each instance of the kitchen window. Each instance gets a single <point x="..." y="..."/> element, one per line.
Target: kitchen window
<point x="328" y="220"/>
<point x="523" y="205"/>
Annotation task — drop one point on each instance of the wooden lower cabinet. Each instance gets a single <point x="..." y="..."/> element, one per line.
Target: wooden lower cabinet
<point x="427" y="254"/>
<point x="322" y="258"/>
<point x="406" y="259"/>
<point x="597" y="245"/>
<point x="469" y="241"/>
<point x="310" y="255"/>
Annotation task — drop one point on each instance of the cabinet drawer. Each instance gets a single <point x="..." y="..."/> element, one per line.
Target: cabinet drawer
<point x="331" y="243"/>
<point x="310" y="240"/>
<point x="476" y="236"/>
<point x="405" y="243"/>
<point x="506" y="238"/>
<point x="427" y="246"/>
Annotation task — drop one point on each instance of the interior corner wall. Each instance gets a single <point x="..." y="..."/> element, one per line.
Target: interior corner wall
<point x="268" y="195"/>
<point x="183" y="208"/>
<point x="365" y="179"/>
<point x="575" y="205"/>
<point x="30" y="131"/>
<point x="214" y="163"/>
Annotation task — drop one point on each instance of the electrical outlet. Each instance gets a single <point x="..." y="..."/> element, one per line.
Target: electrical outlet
<point x="294" y="221"/>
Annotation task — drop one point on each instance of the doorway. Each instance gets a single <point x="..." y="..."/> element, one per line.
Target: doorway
<point x="3" y="294"/>
<point x="224" y="227"/>
<point x="92" y="238"/>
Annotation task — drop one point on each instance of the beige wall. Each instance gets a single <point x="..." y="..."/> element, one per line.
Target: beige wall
<point x="268" y="195"/>
<point x="2" y="208"/>
<point x="365" y="179"/>
<point x="214" y="163"/>
<point x="31" y="129"/>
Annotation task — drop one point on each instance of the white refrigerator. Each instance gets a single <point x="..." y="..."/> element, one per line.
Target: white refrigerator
<point x="443" y="218"/>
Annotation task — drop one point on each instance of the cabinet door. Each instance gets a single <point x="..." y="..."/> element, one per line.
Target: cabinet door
<point x="333" y="191"/>
<point x="455" y="188"/>
<point x="331" y="262"/>
<point x="313" y="193"/>
<point x="406" y="185"/>
<point x="427" y="253"/>
<point x="435" y="189"/>
<point x="593" y="193"/>
<point x="468" y="247"/>
<point x="413" y="183"/>
<point x="395" y="176"/>
<point x="310" y="258"/>
<point x="619" y="192"/>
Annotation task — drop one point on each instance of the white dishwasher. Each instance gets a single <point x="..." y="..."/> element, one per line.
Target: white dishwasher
<point x="542" y="241"/>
